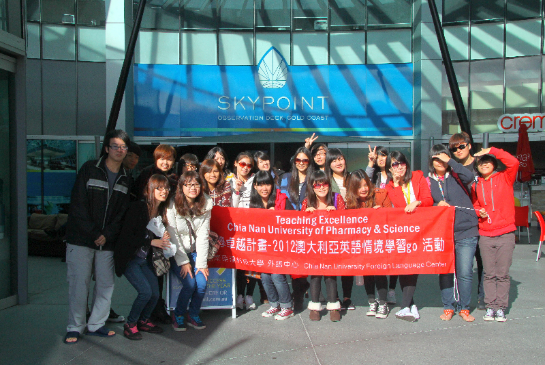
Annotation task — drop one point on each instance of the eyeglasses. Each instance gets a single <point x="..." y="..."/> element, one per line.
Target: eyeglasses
<point x="244" y="164"/>
<point x="116" y="147"/>
<point x="398" y="164"/>
<point x="190" y="167"/>
<point x="193" y="186"/>
<point x="460" y="147"/>
<point x="304" y="161"/>
<point x="320" y="186"/>
<point x="321" y="153"/>
<point x="162" y="188"/>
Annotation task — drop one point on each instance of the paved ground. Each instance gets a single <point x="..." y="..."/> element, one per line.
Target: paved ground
<point x="32" y="334"/>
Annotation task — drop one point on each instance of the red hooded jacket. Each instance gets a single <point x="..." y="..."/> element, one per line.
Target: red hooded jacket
<point x="421" y="191"/>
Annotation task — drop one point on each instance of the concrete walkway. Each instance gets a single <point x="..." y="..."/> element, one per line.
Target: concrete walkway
<point x="32" y="334"/>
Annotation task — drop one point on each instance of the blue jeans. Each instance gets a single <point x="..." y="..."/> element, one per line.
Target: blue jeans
<point x="277" y="289"/>
<point x="465" y="251"/>
<point x="139" y="273"/>
<point x="193" y="288"/>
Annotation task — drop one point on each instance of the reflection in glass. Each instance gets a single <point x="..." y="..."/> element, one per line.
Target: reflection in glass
<point x="455" y="11"/>
<point x="91" y="12"/>
<point x="310" y="15"/>
<point x="383" y="12"/>
<point x="486" y="93"/>
<point x="487" y="9"/>
<point x="3" y="15"/>
<point x="160" y="14"/>
<point x="59" y="11"/>
<point x="523" y="9"/>
<point x="33" y="10"/>
<point x="348" y="14"/>
<point x="522" y="79"/>
<point x="273" y="14"/>
<point x="450" y="118"/>
<point x="199" y="14"/>
<point x="237" y="14"/>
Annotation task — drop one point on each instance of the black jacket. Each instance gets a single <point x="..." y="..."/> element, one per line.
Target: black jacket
<point x="134" y="235"/>
<point x="93" y="212"/>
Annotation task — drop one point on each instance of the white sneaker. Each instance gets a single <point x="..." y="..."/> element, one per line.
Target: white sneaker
<point x="391" y="297"/>
<point x="372" y="311"/>
<point x="490" y="314"/>
<point x="250" y="305"/>
<point x="500" y="316"/>
<point x="414" y="311"/>
<point x="382" y="311"/>
<point x="240" y="302"/>
<point x="406" y="315"/>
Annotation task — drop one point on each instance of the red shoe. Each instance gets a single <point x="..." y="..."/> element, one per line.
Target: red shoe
<point x="447" y="315"/>
<point x="148" y="326"/>
<point x="130" y="330"/>
<point x="464" y="313"/>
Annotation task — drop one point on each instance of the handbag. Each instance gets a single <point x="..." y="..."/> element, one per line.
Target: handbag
<point x="160" y="263"/>
<point x="213" y="241"/>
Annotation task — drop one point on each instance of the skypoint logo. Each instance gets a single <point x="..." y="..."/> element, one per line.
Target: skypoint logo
<point x="272" y="69"/>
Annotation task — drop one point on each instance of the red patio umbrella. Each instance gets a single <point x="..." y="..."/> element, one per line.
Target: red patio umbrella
<point x="524" y="155"/>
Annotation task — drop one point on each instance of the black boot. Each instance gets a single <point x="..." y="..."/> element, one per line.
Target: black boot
<point x="300" y="287"/>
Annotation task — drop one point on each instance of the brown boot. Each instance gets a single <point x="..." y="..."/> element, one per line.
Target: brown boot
<point x="314" y="315"/>
<point x="335" y="315"/>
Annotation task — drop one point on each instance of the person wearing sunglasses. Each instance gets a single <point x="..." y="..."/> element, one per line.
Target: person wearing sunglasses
<point x="407" y="189"/>
<point x="460" y="147"/>
<point x="294" y="185"/>
<point x="320" y="197"/>
<point x="241" y="182"/>
<point x="448" y="184"/>
<point x="264" y="195"/>
<point x="132" y="255"/>
<point x="188" y="216"/>
<point x="360" y="194"/>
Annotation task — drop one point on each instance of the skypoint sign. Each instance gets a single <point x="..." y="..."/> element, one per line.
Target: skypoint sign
<point x="512" y="122"/>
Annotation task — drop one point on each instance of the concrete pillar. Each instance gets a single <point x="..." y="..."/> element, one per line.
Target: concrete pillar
<point x="428" y="77"/>
<point x="119" y="21"/>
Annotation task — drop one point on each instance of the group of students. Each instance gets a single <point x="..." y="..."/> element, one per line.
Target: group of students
<point x="182" y="193"/>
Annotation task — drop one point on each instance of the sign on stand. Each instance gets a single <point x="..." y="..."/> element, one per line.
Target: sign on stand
<point x="220" y="292"/>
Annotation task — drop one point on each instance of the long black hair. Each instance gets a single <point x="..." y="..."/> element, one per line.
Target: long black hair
<point x="434" y="151"/>
<point x="212" y="153"/>
<point x="332" y="155"/>
<point x="264" y="156"/>
<point x="262" y="178"/>
<point x="318" y="177"/>
<point x="314" y="152"/>
<point x="293" y="184"/>
<point x="375" y="176"/>
<point x="400" y="157"/>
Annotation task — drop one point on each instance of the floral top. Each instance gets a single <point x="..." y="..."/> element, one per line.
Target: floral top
<point x="222" y="198"/>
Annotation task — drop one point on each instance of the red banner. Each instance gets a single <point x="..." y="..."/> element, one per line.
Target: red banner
<point x="349" y="242"/>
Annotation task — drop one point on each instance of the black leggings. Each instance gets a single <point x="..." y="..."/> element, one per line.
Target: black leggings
<point x="381" y="283"/>
<point x="330" y="286"/>
<point x="245" y="284"/>
<point x="393" y="282"/>
<point x="408" y="286"/>
<point x="347" y="284"/>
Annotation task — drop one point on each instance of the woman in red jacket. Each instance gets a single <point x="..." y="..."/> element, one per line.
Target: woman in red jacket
<point x="494" y="202"/>
<point x="407" y="189"/>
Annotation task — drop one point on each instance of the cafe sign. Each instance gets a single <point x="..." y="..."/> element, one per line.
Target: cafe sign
<point x="512" y="122"/>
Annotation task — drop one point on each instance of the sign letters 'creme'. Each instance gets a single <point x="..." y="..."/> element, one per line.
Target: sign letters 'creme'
<point x="512" y="122"/>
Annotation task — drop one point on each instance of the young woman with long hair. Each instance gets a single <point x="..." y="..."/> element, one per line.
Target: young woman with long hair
<point x="361" y="193"/>
<point x="214" y="183"/>
<point x="265" y="196"/>
<point x="407" y="189"/>
<point x="263" y="163"/>
<point x="376" y="170"/>
<point x="448" y="184"/>
<point x="241" y="182"/>
<point x="132" y="251"/>
<point x="217" y="153"/>
<point x="188" y="215"/>
<point x="319" y="152"/>
<point x="320" y="197"/>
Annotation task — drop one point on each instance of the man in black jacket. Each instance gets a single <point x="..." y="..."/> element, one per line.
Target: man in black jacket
<point x="100" y="198"/>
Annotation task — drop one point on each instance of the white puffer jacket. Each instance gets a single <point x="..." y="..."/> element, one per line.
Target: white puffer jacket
<point x="181" y="237"/>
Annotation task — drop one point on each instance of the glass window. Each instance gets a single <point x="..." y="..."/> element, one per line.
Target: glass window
<point x="310" y="49"/>
<point x="59" y="11"/>
<point x="33" y="40"/>
<point x="158" y="47"/>
<point x="5" y="178"/>
<point x="236" y="48"/>
<point x="59" y="42"/>
<point x="522" y="79"/>
<point x="200" y="14"/>
<point x="487" y="9"/>
<point x="486" y="41"/>
<point x="160" y="14"/>
<point x="523" y="38"/>
<point x="486" y="93"/>
<point x="348" y="14"/>
<point x="523" y="9"/>
<point x="273" y="14"/>
<point x="33" y="10"/>
<point x="278" y="40"/>
<point x="385" y="12"/>
<point x="389" y="46"/>
<point x="457" y="38"/>
<point x="91" y="44"/>
<point x="455" y="11"/>
<point x="3" y="15"/>
<point x="91" y="12"/>
<point x="310" y="15"/>
<point x="237" y="14"/>
<point x="347" y="48"/>
<point x="199" y="48"/>
<point x="451" y="124"/>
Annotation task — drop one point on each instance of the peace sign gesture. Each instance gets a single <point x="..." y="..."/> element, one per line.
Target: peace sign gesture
<point x="310" y="140"/>
<point x="372" y="156"/>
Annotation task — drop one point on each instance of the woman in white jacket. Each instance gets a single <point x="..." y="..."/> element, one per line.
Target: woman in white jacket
<point x="188" y="215"/>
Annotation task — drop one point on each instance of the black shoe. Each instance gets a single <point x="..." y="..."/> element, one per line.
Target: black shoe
<point x="480" y="305"/>
<point x="347" y="305"/>
<point x="160" y="314"/>
<point x="114" y="317"/>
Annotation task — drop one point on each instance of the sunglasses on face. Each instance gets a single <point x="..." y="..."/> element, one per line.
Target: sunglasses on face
<point x="460" y="147"/>
<point x="398" y="164"/>
<point x="244" y="164"/>
<point x="304" y="161"/>
<point x="193" y="186"/>
<point x="320" y="186"/>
